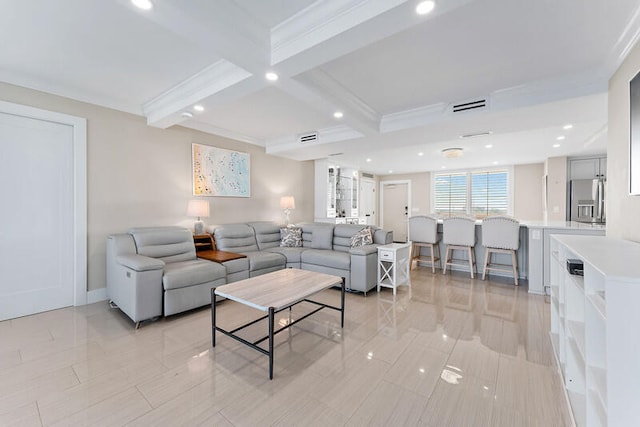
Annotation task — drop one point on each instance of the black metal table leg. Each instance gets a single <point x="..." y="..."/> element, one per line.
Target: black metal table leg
<point x="213" y="317"/>
<point x="271" y="320"/>
<point x="342" y="290"/>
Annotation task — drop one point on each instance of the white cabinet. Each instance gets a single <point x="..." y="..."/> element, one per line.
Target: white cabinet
<point x="592" y="321"/>
<point x="336" y="191"/>
<point x="588" y="168"/>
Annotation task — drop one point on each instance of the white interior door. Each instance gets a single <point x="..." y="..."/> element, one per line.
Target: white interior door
<point x="395" y="210"/>
<point x="368" y="200"/>
<point x="37" y="218"/>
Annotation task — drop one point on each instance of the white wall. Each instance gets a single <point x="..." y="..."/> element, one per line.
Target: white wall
<point x="623" y="210"/>
<point x="556" y="169"/>
<point x="420" y="191"/>
<point x="140" y="175"/>
<point x="528" y="191"/>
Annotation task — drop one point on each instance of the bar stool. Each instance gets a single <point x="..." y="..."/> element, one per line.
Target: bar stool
<point x="459" y="233"/>
<point x="423" y="232"/>
<point x="501" y="234"/>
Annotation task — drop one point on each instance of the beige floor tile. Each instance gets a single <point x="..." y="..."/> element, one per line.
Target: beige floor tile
<point x="29" y="391"/>
<point x="448" y="352"/>
<point x="475" y="359"/>
<point x="418" y="369"/>
<point x="389" y="405"/>
<point x="311" y="413"/>
<point x="459" y="401"/>
<point x="23" y="416"/>
<point x="113" y="411"/>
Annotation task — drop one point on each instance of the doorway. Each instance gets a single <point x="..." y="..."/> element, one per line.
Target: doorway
<point x="43" y="181"/>
<point x="396" y="205"/>
<point x="368" y="200"/>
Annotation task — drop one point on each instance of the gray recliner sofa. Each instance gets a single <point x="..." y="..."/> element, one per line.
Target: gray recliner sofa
<point x="326" y="248"/>
<point x="154" y="271"/>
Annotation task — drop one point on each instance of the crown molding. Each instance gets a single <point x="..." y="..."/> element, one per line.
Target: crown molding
<point x="628" y="38"/>
<point x="415" y="117"/>
<point x="214" y="130"/>
<point x="325" y="136"/>
<point x="163" y="110"/>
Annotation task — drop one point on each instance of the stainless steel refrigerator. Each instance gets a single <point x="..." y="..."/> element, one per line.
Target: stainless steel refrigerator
<point x="588" y="200"/>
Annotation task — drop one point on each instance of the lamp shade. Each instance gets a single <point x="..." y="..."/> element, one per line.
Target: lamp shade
<point x="287" y="202"/>
<point x="198" y="208"/>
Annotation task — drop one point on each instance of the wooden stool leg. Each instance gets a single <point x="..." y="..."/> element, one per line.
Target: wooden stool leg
<point x="487" y="257"/>
<point x="446" y="260"/>
<point x="412" y="256"/>
<point x="514" y="260"/>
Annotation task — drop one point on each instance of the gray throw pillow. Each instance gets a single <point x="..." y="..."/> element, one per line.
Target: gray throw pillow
<point x="291" y="237"/>
<point x="362" y="237"/>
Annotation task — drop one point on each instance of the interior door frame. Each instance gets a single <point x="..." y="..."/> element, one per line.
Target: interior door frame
<point x="375" y="197"/>
<point x="381" y="201"/>
<point x="79" y="126"/>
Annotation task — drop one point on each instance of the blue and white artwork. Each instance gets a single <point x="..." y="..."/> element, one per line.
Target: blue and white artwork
<point x="220" y="172"/>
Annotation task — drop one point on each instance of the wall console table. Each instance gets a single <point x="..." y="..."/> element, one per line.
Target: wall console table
<point x="594" y="321"/>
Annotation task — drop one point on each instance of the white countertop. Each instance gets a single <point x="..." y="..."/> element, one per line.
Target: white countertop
<point x="614" y="258"/>
<point x="563" y="225"/>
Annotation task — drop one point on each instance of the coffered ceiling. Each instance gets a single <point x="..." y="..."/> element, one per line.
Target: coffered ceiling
<point x="395" y="75"/>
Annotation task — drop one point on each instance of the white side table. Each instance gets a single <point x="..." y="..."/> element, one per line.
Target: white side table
<point x="394" y="262"/>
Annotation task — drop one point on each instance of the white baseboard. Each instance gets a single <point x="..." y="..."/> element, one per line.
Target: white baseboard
<point x="97" y="295"/>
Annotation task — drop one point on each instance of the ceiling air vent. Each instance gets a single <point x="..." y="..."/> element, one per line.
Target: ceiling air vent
<point x="305" y="138"/>
<point x="471" y="105"/>
<point x="367" y="175"/>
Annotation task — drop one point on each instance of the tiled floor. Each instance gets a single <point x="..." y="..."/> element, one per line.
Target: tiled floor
<point x="449" y="352"/>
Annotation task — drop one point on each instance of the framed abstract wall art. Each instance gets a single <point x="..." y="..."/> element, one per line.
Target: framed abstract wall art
<point x="220" y="172"/>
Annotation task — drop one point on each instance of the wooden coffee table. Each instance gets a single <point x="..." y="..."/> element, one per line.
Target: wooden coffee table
<point x="272" y="293"/>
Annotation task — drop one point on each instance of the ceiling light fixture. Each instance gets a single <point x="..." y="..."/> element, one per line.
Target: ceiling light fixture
<point x="556" y="145"/>
<point x="368" y="160"/>
<point x="187" y="115"/>
<point x="560" y="138"/>
<point x="495" y="162"/>
<point x="443" y="167"/>
<point x="390" y="171"/>
<point x="199" y="108"/>
<point x="451" y="153"/>
<point x="421" y="154"/>
<point x="425" y="7"/>
<point x="488" y="146"/>
<point x="271" y="76"/>
<point x="142" y="4"/>
<point x="567" y="126"/>
<point x="338" y="115"/>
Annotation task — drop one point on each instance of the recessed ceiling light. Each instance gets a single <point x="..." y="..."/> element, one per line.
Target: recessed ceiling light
<point x="425" y="7"/>
<point x="187" y="115"/>
<point x="556" y="145"/>
<point x="271" y="76"/>
<point x="421" y="154"/>
<point x="443" y="167"/>
<point x="199" y="108"/>
<point x="488" y="146"/>
<point x="338" y="115"/>
<point x="390" y="171"/>
<point x="142" y="4"/>
<point x="368" y="160"/>
<point x="567" y="127"/>
<point x="560" y="138"/>
<point x="495" y="163"/>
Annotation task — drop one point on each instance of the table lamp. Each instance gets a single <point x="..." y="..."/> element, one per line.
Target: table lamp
<point x="198" y="209"/>
<point x="287" y="203"/>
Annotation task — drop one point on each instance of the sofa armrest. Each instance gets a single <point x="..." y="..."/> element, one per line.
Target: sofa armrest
<point x="364" y="250"/>
<point x="140" y="262"/>
<point x="382" y="237"/>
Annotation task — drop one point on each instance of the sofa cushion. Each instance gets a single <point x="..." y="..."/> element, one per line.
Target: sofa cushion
<point x="292" y="254"/>
<point x="236" y="265"/>
<point x="291" y="237"/>
<point x="362" y="237"/>
<point x="321" y="237"/>
<point x="189" y="273"/>
<point x="267" y="234"/>
<point x="260" y="260"/>
<point x="341" y="260"/>
<point x="237" y="238"/>
<point x="169" y="244"/>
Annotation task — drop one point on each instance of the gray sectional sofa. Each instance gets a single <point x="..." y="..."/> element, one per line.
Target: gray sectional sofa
<point x="154" y="271"/>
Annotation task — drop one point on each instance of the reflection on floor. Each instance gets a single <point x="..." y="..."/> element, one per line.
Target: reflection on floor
<point x="450" y="351"/>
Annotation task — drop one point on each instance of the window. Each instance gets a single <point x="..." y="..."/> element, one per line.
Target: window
<point x="476" y="193"/>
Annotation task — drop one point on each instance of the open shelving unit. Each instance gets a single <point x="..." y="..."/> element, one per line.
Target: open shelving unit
<point x="592" y="322"/>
